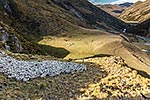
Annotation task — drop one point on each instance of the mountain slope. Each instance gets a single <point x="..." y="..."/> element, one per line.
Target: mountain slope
<point x="38" y="20"/>
<point x="139" y="12"/>
<point x="142" y="29"/>
<point x="34" y="19"/>
<point x="12" y="41"/>
<point x="52" y="17"/>
<point x="126" y="4"/>
<point x="114" y="10"/>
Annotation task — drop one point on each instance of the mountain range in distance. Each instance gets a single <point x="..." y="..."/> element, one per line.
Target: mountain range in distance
<point x="140" y="11"/>
<point x="114" y="9"/>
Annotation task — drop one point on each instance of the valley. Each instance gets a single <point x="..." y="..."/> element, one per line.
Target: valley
<point x="84" y="46"/>
<point x="72" y="50"/>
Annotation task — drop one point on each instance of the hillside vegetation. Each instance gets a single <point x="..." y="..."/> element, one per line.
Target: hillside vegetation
<point x="55" y="17"/>
<point x="34" y="19"/>
<point x="138" y="12"/>
<point x="50" y="41"/>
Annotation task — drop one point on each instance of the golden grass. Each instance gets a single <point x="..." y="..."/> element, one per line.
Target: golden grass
<point x="82" y="46"/>
<point x="62" y="87"/>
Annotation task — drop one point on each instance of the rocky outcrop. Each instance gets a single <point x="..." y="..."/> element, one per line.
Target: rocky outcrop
<point x="17" y="43"/>
<point x="10" y="8"/>
<point x="4" y="35"/>
<point x="5" y="5"/>
<point x="9" y="40"/>
<point x="4" y="38"/>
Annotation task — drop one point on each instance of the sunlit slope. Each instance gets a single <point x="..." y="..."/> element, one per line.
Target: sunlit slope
<point x="138" y="12"/>
<point x="101" y="45"/>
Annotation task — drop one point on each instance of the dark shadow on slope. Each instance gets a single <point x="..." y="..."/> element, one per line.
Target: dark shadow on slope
<point x="141" y="29"/>
<point x="45" y="50"/>
<point x="117" y="11"/>
<point x="54" y="51"/>
<point x="144" y="74"/>
<point x="98" y="55"/>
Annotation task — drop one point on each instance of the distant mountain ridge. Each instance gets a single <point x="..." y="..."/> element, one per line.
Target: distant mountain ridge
<point x="115" y="9"/>
<point x="126" y="4"/>
<point x="138" y="13"/>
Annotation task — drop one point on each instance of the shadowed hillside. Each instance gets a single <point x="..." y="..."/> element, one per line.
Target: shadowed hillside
<point x="34" y="19"/>
<point x="54" y="17"/>
<point x="10" y="40"/>
<point x="142" y="29"/>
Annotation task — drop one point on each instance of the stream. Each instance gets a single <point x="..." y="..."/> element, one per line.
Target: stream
<point x="145" y="45"/>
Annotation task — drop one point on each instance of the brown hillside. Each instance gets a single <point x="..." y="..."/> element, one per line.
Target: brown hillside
<point x="138" y="12"/>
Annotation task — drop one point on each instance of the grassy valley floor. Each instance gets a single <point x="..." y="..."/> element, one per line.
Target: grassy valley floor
<point x="83" y="46"/>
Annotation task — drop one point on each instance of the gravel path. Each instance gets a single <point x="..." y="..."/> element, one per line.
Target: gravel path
<point x="26" y="70"/>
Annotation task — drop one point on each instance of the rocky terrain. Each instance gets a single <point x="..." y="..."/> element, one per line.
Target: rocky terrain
<point x="9" y="39"/>
<point x="115" y="9"/>
<point x="26" y="70"/>
<point x="138" y="12"/>
<point x="105" y="78"/>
